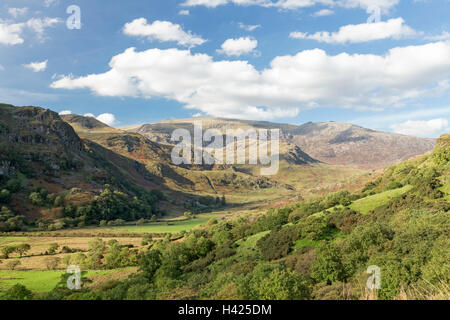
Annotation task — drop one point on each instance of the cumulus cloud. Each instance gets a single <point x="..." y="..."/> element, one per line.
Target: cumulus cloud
<point x="323" y="13"/>
<point x="65" y="112"/>
<point x="17" y="12"/>
<point x="89" y="115"/>
<point x="11" y="33"/>
<point x="311" y="78"/>
<point x="162" y="31"/>
<point x="384" y="5"/>
<point x="249" y="27"/>
<point x="238" y="47"/>
<point x="37" y="66"/>
<point x="355" y="33"/>
<point x="431" y="128"/>
<point x="107" y="118"/>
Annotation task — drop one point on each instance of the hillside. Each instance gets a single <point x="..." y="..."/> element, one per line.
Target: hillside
<point x="330" y="142"/>
<point x="243" y="184"/>
<point x="351" y="145"/>
<point x="318" y="249"/>
<point x="49" y="175"/>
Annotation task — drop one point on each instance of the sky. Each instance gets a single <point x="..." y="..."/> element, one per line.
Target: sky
<point x="381" y="64"/>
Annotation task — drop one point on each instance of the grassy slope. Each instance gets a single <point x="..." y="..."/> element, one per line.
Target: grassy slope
<point x="41" y="280"/>
<point x="164" y="227"/>
<point x="366" y="204"/>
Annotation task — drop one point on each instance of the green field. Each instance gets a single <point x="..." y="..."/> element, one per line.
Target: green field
<point x="366" y="204"/>
<point x="12" y="239"/>
<point x="164" y="227"/>
<point x="38" y="281"/>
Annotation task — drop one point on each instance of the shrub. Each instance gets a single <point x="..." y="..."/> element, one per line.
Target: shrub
<point x="313" y="227"/>
<point x="13" y="185"/>
<point x="18" y="292"/>
<point x="53" y="247"/>
<point x="22" y="248"/>
<point x="5" y="196"/>
<point x="52" y="263"/>
<point x="12" y="265"/>
<point x="277" y="243"/>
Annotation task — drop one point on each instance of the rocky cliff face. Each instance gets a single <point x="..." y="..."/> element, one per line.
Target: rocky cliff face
<point x="34" y="126"/>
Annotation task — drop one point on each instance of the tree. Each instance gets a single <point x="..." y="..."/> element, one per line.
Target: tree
<point x="149" y="262"/>
<point x="52" y="263"/>
<point x="5" y="196"/>
<point x="36" y="199"/>
<point x="282" y="285"/>
<point x="223" y="201"/>
<point x="22" y="248"/>
<point x="188" y="214"/>
<point x="13" y="185"/>
<point x="53" y="247"/>
<point x="18" y="292"/>
<point x="329" y="266"/>
<point x="58" y="202"/>
<point x="12" y="265"/>
<point x="6" y="251"/>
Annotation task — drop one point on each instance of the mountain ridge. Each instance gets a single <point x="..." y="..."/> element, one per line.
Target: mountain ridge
<point x="331" y="142"/>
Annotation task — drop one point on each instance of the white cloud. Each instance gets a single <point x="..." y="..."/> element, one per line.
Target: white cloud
<point x="89" y="115"/>
<point x="441" y="37"/>
<point x="1" y="68"/>
<point x="238" y="47"/>
<point x="39" y="25"/>
<point x="184" y="12"/>
<point x="384" y="5"/>
<point x="206" y="3"/>
<point x="311" y="78"/>
<point x="431" y="128"/>
<point x="11" y="33"/>
<point x="107" y="118"/>
<point x="49" y="3"/>
<point x="355" y="33"/>
<point x="249" y="27"/>
<point x="17" y="12"/>
<point x="37" y="66"/>
<point x="162" y="31"/>
<point x="323" y="13"/>
<point x="65" y="112"/>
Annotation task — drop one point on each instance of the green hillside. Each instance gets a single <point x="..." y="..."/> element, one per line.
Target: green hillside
<point x="399" y="222"/>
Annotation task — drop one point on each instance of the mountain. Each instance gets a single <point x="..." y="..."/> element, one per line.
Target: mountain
<point x="298" y="173"/>
<point x="125" y="143"/>
<point x="330" y="142"/>
<point x="47" y="172"/>
<point x="351" y="145"/>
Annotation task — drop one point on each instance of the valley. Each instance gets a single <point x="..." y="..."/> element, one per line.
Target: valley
<point x="76" y="191"/>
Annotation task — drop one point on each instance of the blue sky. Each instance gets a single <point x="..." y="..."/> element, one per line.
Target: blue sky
<point x="279" y="60"/>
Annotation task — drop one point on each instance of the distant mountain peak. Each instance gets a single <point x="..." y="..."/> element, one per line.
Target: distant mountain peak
<point x="332" y="142"/>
